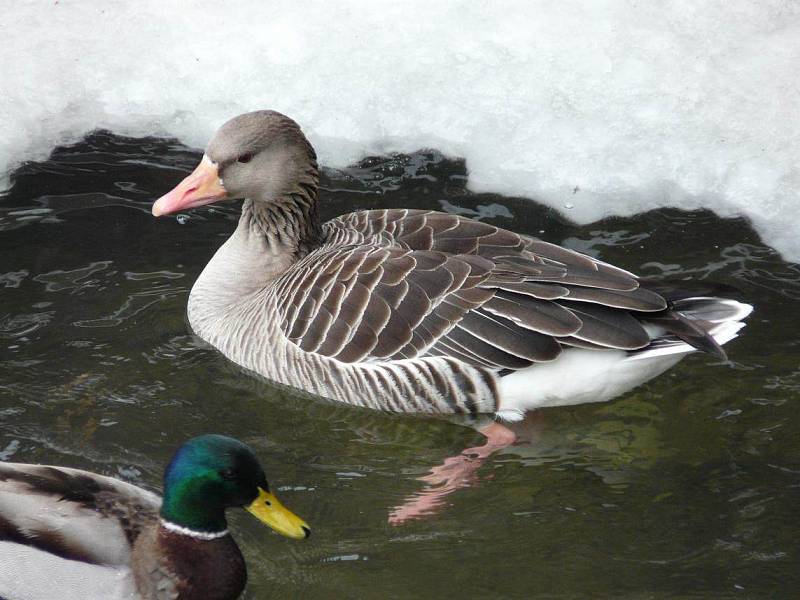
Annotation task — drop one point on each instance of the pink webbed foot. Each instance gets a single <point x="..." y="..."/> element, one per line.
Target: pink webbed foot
<point x="454" y="473"/>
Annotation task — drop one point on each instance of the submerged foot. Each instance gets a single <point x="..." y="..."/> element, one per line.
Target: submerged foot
<point x="454" y="473"/>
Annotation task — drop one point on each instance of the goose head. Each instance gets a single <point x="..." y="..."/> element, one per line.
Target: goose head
<point x="261" y="155"/>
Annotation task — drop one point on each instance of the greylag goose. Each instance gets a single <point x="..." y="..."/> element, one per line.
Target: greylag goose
<point x="415" y="310"/>
<point x="72" y="534"/>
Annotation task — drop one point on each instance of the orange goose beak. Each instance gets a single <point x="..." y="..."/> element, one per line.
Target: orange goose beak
<point x="202" y="187"/>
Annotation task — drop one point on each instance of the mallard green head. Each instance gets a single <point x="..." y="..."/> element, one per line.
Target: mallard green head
<point x="213" y="472"/>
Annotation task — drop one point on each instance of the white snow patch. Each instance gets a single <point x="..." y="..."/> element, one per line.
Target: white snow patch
<point x="608" y="107"/>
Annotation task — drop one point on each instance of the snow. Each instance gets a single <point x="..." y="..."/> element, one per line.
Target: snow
<point x="596" y="108"/>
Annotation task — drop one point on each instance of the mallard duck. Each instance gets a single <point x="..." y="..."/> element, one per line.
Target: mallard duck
<point x="67" y="533"/>
<point x="415" y="310"/>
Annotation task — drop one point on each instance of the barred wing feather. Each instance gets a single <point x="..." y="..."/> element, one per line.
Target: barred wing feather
<point x="391" y="284"/>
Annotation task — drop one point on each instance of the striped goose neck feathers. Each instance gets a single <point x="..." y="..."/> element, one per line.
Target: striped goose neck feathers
<point x="290" y="224"/>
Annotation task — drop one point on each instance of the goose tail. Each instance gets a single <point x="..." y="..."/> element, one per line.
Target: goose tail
<point x="703" y="323"/>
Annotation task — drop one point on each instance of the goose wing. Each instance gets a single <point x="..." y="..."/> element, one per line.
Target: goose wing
<point x="394" y="284"/>
<point x="73" y="514"/>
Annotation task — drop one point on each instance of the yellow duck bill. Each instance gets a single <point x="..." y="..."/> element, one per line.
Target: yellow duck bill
<point x="267" y="509"/>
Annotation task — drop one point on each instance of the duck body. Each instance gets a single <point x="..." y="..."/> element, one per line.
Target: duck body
<point x="72" y="534"/>
<point x="419" y="311"/>
<point x="67" y="533"/>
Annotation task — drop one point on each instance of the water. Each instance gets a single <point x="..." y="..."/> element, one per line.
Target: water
<point x="686" y="487"/>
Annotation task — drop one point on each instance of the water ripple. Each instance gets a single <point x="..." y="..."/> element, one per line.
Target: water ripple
<point x="12" y="279"/>
<point x="135" y="304"/>
<point x="23" y="324"/>
<point x="75" y="279"/>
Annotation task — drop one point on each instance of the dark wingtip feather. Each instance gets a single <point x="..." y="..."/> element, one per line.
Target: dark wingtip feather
<point x="690" y="332"/>
<point x="680" y="290"/>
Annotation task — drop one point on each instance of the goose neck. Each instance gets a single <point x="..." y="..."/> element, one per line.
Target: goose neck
<point x="289" y="225"/>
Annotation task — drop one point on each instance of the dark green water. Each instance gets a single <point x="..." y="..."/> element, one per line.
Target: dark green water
<point x="688" y="487"/>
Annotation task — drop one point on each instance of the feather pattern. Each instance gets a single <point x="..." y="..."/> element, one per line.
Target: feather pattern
<point x="413" y="310"/>
<point x="69" y="534"/>
<point x="392" y="296"/>
<point x="117" y="512"/>
<point x="432" y="271"/>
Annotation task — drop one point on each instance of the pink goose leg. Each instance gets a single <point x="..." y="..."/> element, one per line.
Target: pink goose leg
<point x="454" y="473"/>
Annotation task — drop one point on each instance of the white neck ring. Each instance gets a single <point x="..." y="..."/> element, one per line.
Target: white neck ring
<point x="200" y="535"/>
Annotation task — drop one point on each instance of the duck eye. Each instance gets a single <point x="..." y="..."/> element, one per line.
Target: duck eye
<point x="228" y="474"/>
<point x="245" y="158"/>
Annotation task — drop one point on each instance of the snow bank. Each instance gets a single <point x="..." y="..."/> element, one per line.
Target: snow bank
<point x="597" y="108"/>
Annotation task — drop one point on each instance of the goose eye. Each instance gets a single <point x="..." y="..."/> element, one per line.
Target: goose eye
<point x="245" y="158"/>
<point x="228" y="474"/>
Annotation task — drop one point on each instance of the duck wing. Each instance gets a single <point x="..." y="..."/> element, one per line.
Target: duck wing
<point x="393" y="284"/>
<point x="73" y="514"/>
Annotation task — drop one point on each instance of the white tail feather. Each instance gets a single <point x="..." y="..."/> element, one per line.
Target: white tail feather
<point x="581" y="376"/>
<point x="726" y="313"/>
